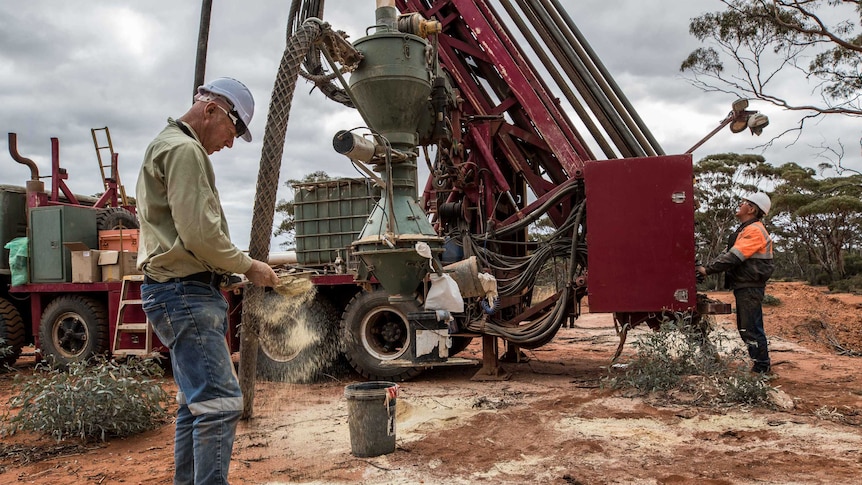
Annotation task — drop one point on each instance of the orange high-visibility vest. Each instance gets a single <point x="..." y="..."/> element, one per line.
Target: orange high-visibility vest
<point x="753" y="242"/>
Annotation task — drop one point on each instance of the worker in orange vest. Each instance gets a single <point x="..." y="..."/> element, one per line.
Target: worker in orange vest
<point x="747" y="265"/>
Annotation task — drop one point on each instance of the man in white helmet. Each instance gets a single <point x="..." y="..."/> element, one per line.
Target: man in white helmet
<point x="184" y="251"/>
<point x="747" y="265"/>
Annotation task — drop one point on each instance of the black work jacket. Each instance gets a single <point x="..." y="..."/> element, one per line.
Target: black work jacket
<point x="748" y="260"/>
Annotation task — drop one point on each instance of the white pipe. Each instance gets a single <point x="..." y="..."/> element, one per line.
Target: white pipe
<point x="282" y="257"/>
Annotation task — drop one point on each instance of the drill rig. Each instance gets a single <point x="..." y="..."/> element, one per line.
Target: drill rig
<point x="453" y="85"/>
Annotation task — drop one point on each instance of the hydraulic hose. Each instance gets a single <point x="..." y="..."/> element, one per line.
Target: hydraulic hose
<point x="297" y="47"/>
<point x="543" y="330"/>
<point x="537" y="213"/>
<point x="300" y="12"/>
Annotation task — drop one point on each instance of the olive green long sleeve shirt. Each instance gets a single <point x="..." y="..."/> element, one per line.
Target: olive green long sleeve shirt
<point x="183" y="229"/>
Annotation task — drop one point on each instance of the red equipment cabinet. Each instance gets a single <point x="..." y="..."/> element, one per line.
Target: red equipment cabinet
<point x="640" y="242"/>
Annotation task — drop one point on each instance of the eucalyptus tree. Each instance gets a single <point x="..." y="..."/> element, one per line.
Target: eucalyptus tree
<point x="754" y="47"/>
<point x="821" y="217"/>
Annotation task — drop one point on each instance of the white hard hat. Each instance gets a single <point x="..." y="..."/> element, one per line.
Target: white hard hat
<point x="238" y="95"/>
<point x="761" y="200"/>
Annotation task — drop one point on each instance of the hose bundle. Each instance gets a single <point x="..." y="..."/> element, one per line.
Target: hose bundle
<point x="540" y="331"/>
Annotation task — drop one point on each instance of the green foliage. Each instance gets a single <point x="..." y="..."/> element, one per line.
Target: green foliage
<point x="816" y="221"/>
<point x="819" y="219"/>
<point x="89" y="400"/>
<point x="744" y="388"/>
<point x="841" y="204"/>
<point x="541" y="230"/>
<point x="853" y="262"/>
<point x="770" y="300"/>
<point x="852" y="284"/>
<point x="683" y="357"/>
<point x="553" y="273"/>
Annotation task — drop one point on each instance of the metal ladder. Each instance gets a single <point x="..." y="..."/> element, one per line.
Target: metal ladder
<point x="131" y="328"/>
<point x="112" y="172"/>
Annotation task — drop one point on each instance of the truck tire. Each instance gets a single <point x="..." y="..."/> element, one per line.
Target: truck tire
<point x="113" y="218"/>
<point x="73" y="329"/>
<point x="298" y="343"/>
<point x="12" y="333"/>
<point x="374" y="331"/>
<point x="459" y="344"/>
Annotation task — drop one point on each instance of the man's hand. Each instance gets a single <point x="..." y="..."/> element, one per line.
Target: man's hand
<point x="261" y="274"/>
<point x="701" y="270"/>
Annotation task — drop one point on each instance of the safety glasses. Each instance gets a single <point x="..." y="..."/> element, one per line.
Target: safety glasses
<point x="238" y="124"/>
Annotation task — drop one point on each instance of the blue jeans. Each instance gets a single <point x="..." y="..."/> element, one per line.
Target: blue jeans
<point x="749" y="322"/>
<point x="190" y="318"/>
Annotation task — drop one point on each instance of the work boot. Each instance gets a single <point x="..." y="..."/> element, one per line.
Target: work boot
<point x="761" y="369"/>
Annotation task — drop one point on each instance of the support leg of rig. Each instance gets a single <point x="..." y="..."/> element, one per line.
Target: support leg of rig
<point x="514" y="354"/>
<point x="491" y="370"/>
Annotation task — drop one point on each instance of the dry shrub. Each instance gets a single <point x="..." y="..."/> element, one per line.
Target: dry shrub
<point x="684" y="358"/>
<point x="4" y="351"/>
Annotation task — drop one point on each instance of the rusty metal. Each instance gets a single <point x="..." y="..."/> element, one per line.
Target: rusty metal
<point x="491" y="369"/>
<point x="115" y="192"/>
<point x="13" y="151"/>
<point x="60" y="193"/>
<point x="586" y="85"/>
<point x="508" y="153"/>
<point x="708" y="306"/>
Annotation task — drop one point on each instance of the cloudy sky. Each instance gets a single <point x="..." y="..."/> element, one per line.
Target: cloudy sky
<point x="69" y="66"/>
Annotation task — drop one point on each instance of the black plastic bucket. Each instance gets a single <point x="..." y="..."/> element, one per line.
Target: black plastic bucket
<point x="371" y="417"/>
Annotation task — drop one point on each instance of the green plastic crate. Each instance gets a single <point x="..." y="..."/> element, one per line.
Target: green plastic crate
<point x="329" y="216"/>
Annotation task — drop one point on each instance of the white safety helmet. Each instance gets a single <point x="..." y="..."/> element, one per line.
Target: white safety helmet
<point x="239" y="96"/>
<point x="761" y="200"/>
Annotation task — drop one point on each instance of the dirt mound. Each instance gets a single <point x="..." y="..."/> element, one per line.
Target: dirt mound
<point x="811" y="316"/>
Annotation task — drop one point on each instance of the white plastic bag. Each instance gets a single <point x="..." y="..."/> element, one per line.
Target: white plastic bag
<point x="444" y="294"/>
<point x="489" y="286"/>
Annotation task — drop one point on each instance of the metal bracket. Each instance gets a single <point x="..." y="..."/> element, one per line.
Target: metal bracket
<point x="491" y="370"/>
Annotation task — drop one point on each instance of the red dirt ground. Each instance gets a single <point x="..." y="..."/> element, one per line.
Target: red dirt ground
<point x="552" y="422"/>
